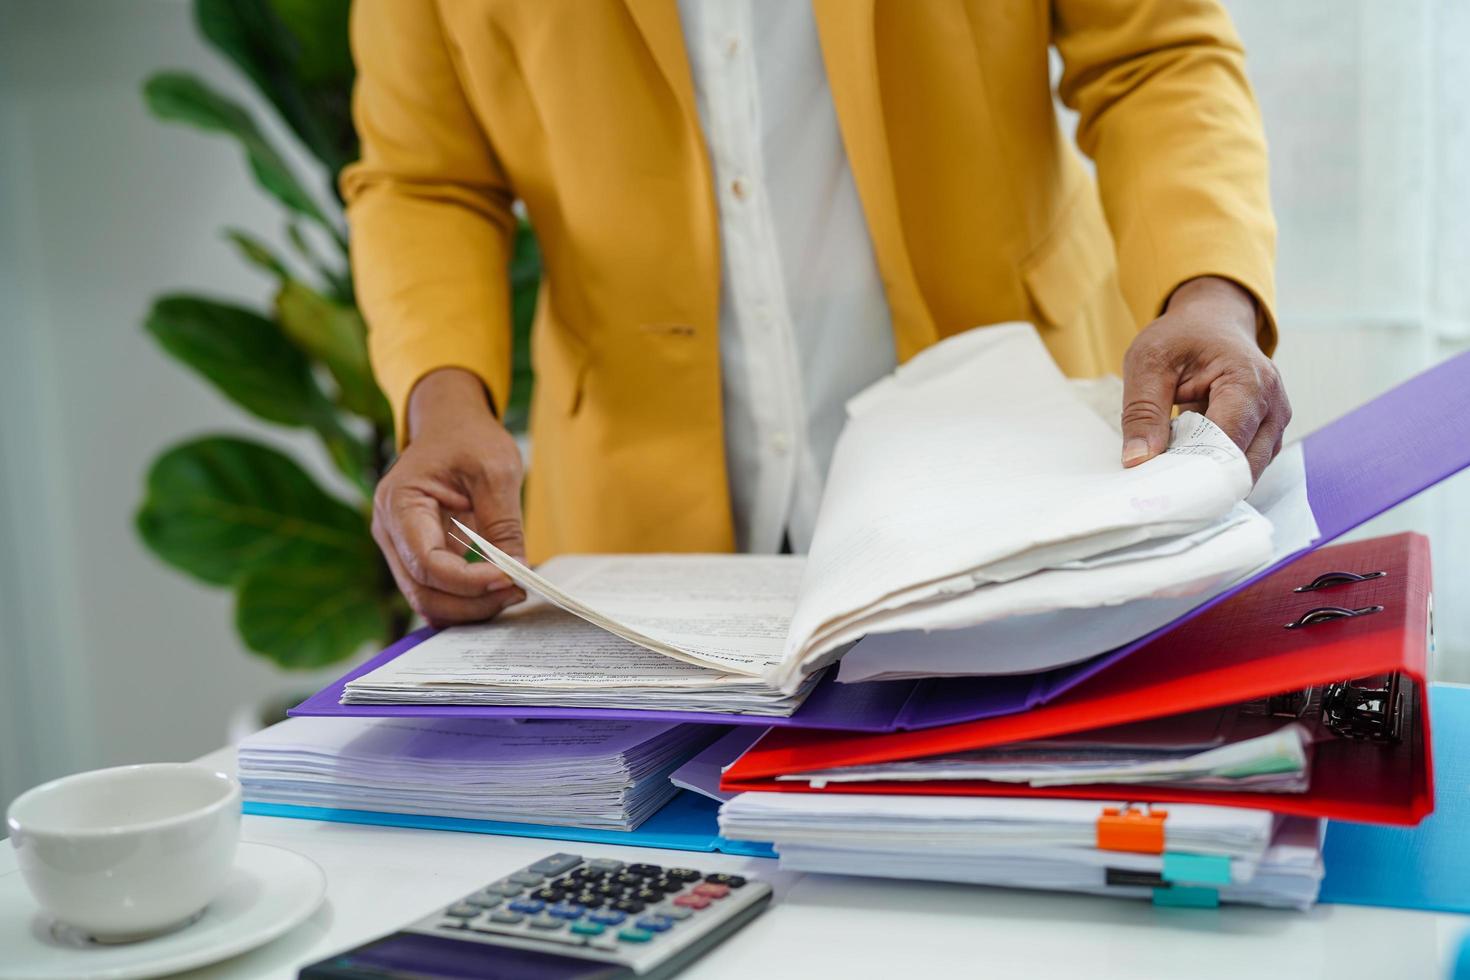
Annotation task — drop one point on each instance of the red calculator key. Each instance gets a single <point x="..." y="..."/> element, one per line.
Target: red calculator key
<point x="692" y="901"/>
<point x="712" y="891"/>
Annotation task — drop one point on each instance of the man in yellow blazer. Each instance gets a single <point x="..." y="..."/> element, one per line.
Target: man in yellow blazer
<point x="750" y="209"/>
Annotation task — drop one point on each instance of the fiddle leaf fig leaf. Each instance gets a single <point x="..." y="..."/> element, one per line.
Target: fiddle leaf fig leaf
<point x="243" y="354"/>
<point x="181" y="97"/>
<point x="335" y="335"/>
<point x="306" y="616"/>
<point x="220" y="507"/>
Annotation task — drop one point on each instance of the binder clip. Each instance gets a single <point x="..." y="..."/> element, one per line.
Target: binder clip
<point x="1328" y="579"/>
<point x="1128" y="828"/>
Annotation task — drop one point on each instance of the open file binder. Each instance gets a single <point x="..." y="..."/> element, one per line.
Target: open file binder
<point x="1357" y="467"/>
<point x="1355" y="650"/>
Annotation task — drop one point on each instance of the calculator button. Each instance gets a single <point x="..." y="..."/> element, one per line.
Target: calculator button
<point x="507" y="888"/>
<point x="627" y="879"/>
<point x="555" y="864"/>
<point x="506" y="916"/>
<point x="645" y="870"/>
<point x="527" y="878"/>
<point x="606" y="943"/>
<point x="546" y="922"/>
<point x="666" y="885"/>
<point x="452" y="924"/>
<point x="655" y="923"/>
<point x="683" y="874"/>
<point x="484" y="901"/>
<point x="462" y="911"/>
<point x="589" y="899"/>
<point x="692" y="901"/>
<point x="734" y="881"/>
<point x="527" y="905"/>
<point x="588" y="928"/>
<point x="566" y="911"/>
<point x="631" y="906"/>
<point x="676" y="912"/>
<point x="607" y="917"/>
<point x="647" y="895"/>
<point x="548" y="894"/>
<point x="712" y="891"/>
<point x="635" y="936"/>
<point x="604" y="865"/>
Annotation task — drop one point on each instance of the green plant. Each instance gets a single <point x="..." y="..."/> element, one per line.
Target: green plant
<point x="310" y="587"/>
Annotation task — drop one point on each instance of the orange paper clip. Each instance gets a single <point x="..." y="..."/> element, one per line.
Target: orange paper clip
<point x="1127" y="828"/>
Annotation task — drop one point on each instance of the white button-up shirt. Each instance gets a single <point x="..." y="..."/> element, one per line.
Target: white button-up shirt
<point x="804" y="322"/>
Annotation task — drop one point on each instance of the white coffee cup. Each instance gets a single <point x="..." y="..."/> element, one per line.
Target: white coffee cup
<point x="126" y="853"/>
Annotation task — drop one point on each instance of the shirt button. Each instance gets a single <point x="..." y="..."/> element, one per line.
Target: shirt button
<point x="780" y="443"/>
<point x="739" y="189"/>
<point x="732" y="46"/>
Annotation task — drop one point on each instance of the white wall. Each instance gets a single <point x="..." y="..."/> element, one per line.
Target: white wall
<point x="107" y="656"/>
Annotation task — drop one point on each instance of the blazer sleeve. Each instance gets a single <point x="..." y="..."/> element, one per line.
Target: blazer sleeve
<point x="1168" y="116"/>
<point x="429" y="207"/>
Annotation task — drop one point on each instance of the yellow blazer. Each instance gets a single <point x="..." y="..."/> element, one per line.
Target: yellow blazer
<point x="979" y="209"/>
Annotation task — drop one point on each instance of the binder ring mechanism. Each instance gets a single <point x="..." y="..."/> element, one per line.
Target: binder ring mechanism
<point x="1328" y="579"/>
<point x="1323" y="614"/>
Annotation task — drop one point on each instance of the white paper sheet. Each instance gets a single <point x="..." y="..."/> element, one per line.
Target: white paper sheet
<point x="1024" y="643"/>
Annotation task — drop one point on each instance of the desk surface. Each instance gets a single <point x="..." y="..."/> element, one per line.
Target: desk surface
<point x="380" y="878"/>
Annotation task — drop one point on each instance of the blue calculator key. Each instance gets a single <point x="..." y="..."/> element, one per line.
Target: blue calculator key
<point x="527" y="905"/>
<point x="607" y="917"/>
<point x="566" y="911"/>
<point x="654" y="923"/>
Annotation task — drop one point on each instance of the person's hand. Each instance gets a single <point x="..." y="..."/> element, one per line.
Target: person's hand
<point x="1202" y="356"/>
<point x="460" y="461"/>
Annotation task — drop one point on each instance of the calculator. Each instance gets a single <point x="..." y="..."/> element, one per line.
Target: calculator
<point x="564" y="917"/>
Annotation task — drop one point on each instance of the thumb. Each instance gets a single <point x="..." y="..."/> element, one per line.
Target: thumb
<point x="1149" y="385"/>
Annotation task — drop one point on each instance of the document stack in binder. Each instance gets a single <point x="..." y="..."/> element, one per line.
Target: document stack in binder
<point x="1217" y="750"/>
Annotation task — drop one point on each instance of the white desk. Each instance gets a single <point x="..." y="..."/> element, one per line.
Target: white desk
<point x="819" y="926"/>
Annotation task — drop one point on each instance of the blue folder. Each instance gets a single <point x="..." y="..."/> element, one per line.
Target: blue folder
<point x="685" y="823"/>
<point x="1423" y="867"/>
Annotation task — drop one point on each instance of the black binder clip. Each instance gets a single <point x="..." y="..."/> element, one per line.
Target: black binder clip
<point x="1329" y="579"/>
<point x="1368" y="709"/>
<point x="1323" y="614"/>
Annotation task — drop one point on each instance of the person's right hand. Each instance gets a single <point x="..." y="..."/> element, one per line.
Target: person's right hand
<point x="460" y="461"/>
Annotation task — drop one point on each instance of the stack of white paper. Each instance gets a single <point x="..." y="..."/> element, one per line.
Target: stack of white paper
<point x="971" y="490"/>
<point x="592" y="774"/>
<point x="1025" y="843"/>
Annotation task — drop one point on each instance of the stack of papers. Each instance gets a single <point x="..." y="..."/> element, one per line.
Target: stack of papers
<point x="974" y="486"/>
<point x="1248" y="856"/>
<point x="1275" y="761"/>
<point x="588" y="774"/>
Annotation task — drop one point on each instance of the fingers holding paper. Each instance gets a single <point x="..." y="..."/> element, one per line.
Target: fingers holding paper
<point x="460" y="463"/>
<point x="1202" y="353"/>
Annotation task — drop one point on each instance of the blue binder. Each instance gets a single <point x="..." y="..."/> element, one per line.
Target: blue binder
<point x="685" y="823"/>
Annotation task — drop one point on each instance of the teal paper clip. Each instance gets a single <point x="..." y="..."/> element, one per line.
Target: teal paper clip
<point x="1198" y="869"/>
<point x="1187" y="897"/>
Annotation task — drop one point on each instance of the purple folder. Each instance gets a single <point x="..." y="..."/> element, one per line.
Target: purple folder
<point x="1359" y="466"/>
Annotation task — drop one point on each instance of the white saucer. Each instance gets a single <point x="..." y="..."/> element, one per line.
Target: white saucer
<point x="270" y="891"/>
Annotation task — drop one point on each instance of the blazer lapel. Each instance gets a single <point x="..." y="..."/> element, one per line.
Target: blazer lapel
<point x="658" y="21"/>
<point x="849" y="51"/>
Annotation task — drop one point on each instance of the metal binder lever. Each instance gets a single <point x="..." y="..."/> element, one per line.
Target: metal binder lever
<point x="1327" y="579"/>
<point x="1324" y="613"/>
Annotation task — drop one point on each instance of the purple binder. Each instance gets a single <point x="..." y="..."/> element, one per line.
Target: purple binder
<point x="1359" y="466"/>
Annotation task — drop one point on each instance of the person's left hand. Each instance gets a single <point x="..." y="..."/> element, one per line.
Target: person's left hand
<point x="1202" y="355"/>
